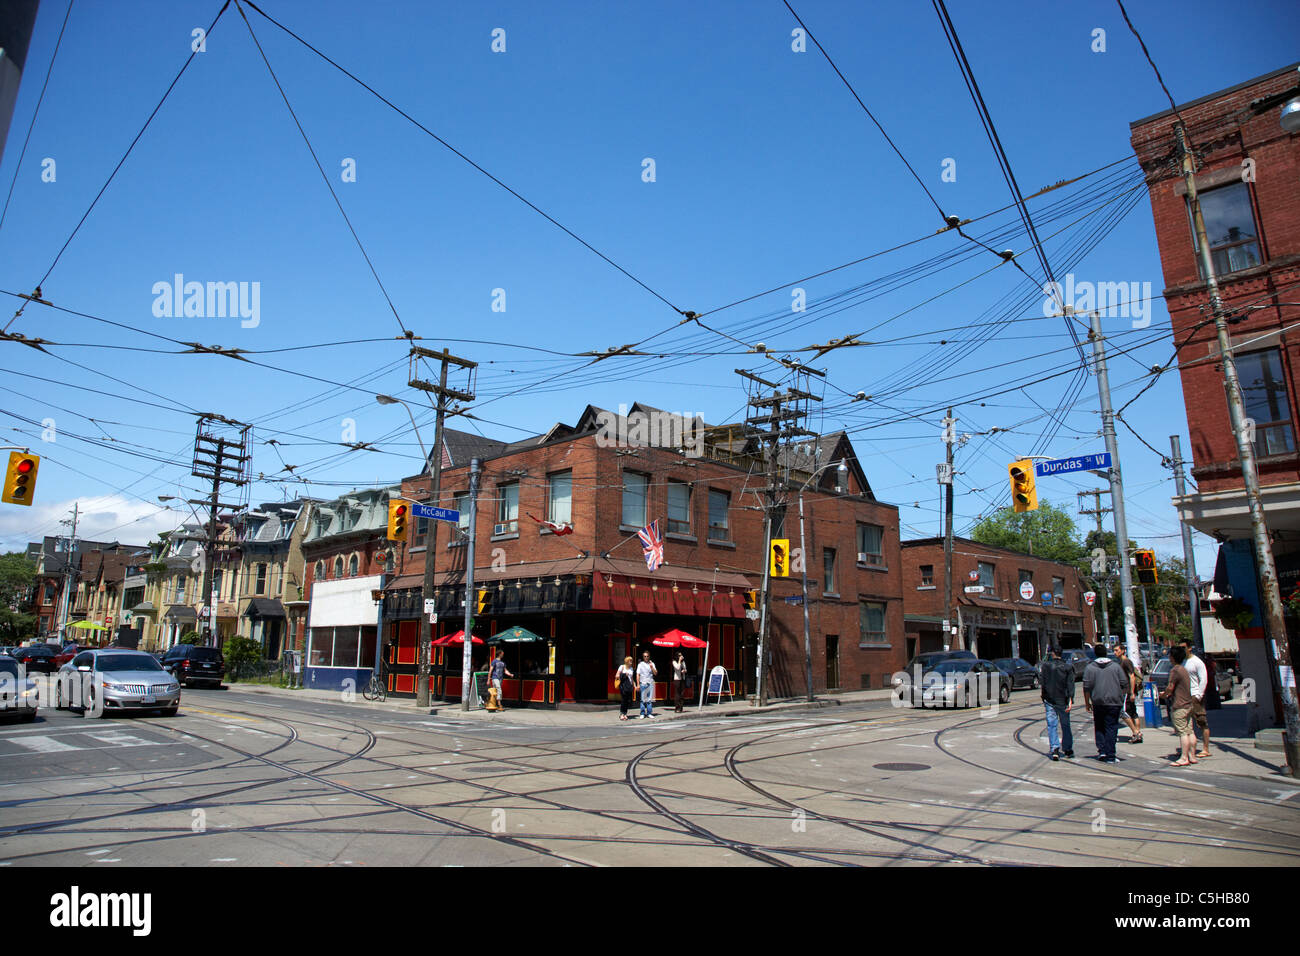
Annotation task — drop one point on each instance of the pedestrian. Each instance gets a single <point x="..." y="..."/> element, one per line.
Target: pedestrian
<point x="1200" y="679"/>
<point x="679" y="680"/>
<point x="646" y="672"/>
<point x="496" y="673"/>
<point x="1056" y="678"/>
<point x="1179" y="691"/>
<point x="623" y="678"/>
<point x="1104" y="695"/>
<point x="1130" y="713"/>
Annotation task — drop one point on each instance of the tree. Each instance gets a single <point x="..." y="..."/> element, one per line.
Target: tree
<point x="1047" y="532"/>
<point x="17" y="574"/>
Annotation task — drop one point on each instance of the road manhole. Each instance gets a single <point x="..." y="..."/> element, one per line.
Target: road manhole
<point x="902" y="766"/>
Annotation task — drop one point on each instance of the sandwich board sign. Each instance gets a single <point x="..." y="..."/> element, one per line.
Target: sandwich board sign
<point x="719" y="683"/>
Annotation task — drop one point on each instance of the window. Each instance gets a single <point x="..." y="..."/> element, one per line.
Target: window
<point x="1058" y="592"/>
<point x="871" y="622"/>
<point x="636" y="489"/>
<point x="870" y="544"/>
<point x="180" y="590"/>
<point x="559" y="498"/>
<point x="462" y="526"/>
<point x="828" y="568"/>
<point x="1263" y="389"/>
<point x="927" y="575"/>
<point x="719" y="505"/>
<point x="1026" y="576"/>
<point x="986" y="578"/>
<point x="261" y="580"/>
<point x="320" y="570"/>
<point x="507" y="509"/>
<point x="1230" y="228"/>
<point x="216" y="583"/>
<point x="421" y="536"/>
<point x="352" y="566"/>
<point x="338" y="567"/>
<point x="679" y="507"/>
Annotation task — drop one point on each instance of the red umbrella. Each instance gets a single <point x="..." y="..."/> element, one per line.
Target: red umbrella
<point x="457" y="638"/>
<point x="676" y="638"/>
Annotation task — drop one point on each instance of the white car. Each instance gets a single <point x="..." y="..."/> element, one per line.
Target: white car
<point x="108" y="680"/>
<point x="19" y="694"/>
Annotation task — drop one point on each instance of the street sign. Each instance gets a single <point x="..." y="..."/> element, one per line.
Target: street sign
<point x="1027" y="590"/>
<point x="974" y="575"/>
<point x="1089" y="597"/>
<point x="1061" y="466"/>
<point x="435" y="514"/>
<point x="944" y="471"/>
<point x="429" y="605"/>
<point x="795" y="599"/>
<point x="1047" y="599"/>
<point x="975" y="589"/>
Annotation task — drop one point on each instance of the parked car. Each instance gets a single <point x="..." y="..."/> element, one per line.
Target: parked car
<point x="191" y="664"/>
<point x="116" y="680"/>
<point x="960" y="682"/>
<point x="924" y="662"/>
<point x="68" y="653"/>
<point x="37" y="657"/>
<point x="1021" y="672"/>
<point x="1078" y="658"/>
<point x="19" y="694"/>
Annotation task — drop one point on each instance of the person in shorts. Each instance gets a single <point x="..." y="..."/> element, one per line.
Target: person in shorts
<point x="498" y="672"/>
<point x="1200" y="678"/>
<point x="1130" y="713"/>
<point x="1180" y="690"/>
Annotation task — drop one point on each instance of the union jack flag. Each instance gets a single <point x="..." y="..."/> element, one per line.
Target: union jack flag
<point x="652" y="545"/>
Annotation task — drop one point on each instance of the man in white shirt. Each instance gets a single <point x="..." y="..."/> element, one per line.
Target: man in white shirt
<point x="1199" y="681"/>
<point x="646" y="672"/>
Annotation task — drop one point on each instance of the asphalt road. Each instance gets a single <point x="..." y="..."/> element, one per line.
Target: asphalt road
<point x="241" y="779"/>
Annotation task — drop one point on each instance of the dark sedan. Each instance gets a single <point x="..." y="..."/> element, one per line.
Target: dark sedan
<point x="37" y="657"/>
<point x="1022" y="673"/>
<point x="960" y="682"/>
<point x="1078" y="658"/>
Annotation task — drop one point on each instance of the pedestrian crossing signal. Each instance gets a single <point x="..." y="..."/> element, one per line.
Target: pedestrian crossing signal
<point x="1024" y="496"/>
<point x="1145" y="562"/>
<point x="20" y="478"/>
<point x="751" y="600"/>
<point x="780" y="557"/>
<point x="397" y="526"/>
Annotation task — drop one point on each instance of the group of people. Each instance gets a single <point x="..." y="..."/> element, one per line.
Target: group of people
<point x="638" y="684"/>
<point x="1111" y="688"/>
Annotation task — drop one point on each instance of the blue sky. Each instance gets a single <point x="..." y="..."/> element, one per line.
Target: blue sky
<point x="766" y="171"/>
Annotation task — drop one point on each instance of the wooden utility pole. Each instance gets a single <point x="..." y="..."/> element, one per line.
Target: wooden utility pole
<point x="1097" y="510"/>
<point x="434" y="464"/>
<point x="946" y="478"/>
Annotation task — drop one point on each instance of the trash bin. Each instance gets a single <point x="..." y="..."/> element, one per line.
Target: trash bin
<point x="1151" y="705"/>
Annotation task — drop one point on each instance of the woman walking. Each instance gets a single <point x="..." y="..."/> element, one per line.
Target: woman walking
<point x="623" y="681"/>
<point x="679" y="680"/>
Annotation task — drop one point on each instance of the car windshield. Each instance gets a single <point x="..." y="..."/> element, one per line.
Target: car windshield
<point x="127" y="662"/>
<point x="9" y="666"/>
<point x="1006" y="662"/>
<point x="954" y="667"/>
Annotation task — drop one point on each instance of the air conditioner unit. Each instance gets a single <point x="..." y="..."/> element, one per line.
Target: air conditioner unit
<point x="862" y="557"/>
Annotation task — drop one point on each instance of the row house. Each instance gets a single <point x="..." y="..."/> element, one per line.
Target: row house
<point x="172" y="598"/>
<point x="1248" y="167"/>
<point x="264" y="574"/>
<point x="101" y="590"/>
<point x="58" y="563"/>
<point x="1005" y="603"/>
<point x="345" y="554"/>
<point x="557" y="553"/>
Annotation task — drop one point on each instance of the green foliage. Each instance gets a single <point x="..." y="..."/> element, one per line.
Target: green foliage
<point x="241" y="654"/>
<point x="190" y="637"/>
<point x="17" y="575"/>
<point x="1047" y="533"/>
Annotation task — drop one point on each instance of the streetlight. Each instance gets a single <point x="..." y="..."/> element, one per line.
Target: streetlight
<point x="840" y="486"/>
<point x="389" y="400"/>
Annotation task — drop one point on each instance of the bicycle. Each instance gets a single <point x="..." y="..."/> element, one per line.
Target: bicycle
<point x="377" y="688"/>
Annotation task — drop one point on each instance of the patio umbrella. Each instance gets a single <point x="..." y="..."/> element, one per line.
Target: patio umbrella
<point x="676" y="638"/>
<point x="87" y="626"/>
<point x="457" y="638"/>
<point x="516" y="635"/>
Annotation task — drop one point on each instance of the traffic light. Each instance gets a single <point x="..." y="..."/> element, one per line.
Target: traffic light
<point x="20" y="478"/>
<point x="751" y="600"/>
<point x="780" y="557"/>
<point x="484" y="599"/>
<point x="397" y="514"/>
<point x="1145" y="562"/>
<point x="1024" y="496"/>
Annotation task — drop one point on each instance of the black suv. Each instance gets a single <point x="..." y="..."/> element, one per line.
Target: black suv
<point x="190" y="664"/>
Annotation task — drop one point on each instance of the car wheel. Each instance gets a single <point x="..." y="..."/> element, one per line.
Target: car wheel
<point x="170" y="711"/>
<point x="28" y="717"/>
<point x="1004" y="694"/>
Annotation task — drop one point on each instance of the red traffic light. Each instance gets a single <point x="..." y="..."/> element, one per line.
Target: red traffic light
<point x="400" y="510"/>
<point x="25" y="466"/>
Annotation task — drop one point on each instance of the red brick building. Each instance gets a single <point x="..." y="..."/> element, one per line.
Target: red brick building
<point x="588" y="593"/>
<point x="993" y="617"/>
<point x="1247" y="176"/>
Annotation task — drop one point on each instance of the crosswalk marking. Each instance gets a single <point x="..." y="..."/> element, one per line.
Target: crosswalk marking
<point x="42" y="744"/>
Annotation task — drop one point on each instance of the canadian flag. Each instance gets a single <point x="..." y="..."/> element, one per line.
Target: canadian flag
<point x="565" y="528"/>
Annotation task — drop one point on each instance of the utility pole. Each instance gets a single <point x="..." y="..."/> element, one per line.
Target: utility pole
<point x="222" y="455"/>
<point x="1098" y="511"/>
<point x="775" y="419"/>
<point x="1189" y="556"/>
<point x="68" y="575"/>
<point x="945" y="478"/>
<point x="1270" y="593"/>
<point x="467" y="649"/>
<point x="1116" y="488"/>
<point x="444" y="393"/>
